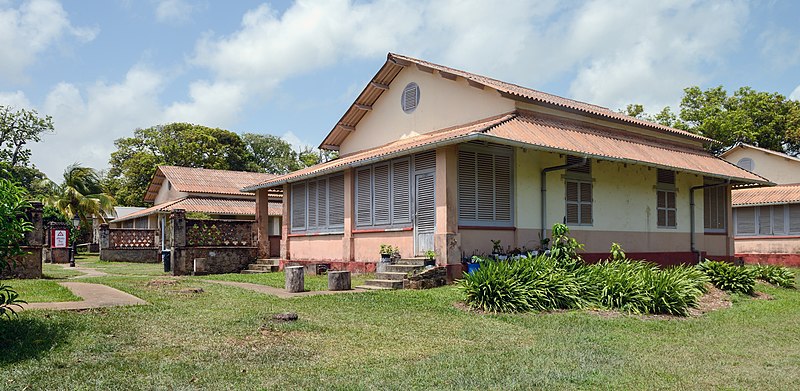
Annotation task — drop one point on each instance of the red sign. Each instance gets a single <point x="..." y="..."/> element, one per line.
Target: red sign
<point x="59" y="238"/>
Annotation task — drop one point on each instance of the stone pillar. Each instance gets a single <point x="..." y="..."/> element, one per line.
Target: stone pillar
<point x="286" y="222"/>
<point x="339" y="280"/>
<point x="104" y="239"/>
<point x="348" y="244"/>
<point x="262" y="222"/>
<point x="177" y="231"/>
<point x="35" y="237"/>
<point x="57" y="255"/>
<point x="446" y="238"/>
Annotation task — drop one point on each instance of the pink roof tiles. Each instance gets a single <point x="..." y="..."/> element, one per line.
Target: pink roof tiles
<point x="781" y="194"/>
<point x="203" y="181"/>
<point x="212" y="206"/>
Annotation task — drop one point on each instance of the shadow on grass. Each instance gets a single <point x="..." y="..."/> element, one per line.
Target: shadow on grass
<point x="25" y="338"/>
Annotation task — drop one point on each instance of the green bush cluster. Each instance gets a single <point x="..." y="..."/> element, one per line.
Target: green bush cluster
<point x="776" y="275"/>
<point x="729" y="277"/>
<point x="544" y="283"/>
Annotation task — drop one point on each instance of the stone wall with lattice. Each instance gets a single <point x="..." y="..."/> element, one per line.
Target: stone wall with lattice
<point x="220" y="233"/>
<point x="129" y="238"/>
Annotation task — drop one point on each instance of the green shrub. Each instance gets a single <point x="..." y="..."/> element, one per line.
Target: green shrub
<point x="729" y="277"/>
<point x="674" y="290"/>
<point x="564" y="249"/>
<point x="776" y="275"/>
<point x="619" y="284"/>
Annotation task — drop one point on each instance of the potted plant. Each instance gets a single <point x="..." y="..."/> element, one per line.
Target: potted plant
<point x="430" y="258"/>
<point x="497" y="249"/>
<point x="473" y="264"/>
<point x="386" y="252"/>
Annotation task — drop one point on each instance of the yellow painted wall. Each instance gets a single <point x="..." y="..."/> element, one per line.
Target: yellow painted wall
<point x="166" y="194"/>
<point x="443" y="103"/>
<point x="781" y="170"/>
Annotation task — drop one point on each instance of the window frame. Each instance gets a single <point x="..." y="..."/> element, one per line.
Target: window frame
<point x="719" y="198"/>
<point x="320" y="184"/>
<point x="785" y="215"/>
<point x="394" y="215"/>
<point x="495" y="151"/>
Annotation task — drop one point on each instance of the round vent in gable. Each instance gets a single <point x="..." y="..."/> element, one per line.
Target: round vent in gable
<point x="410" y="98"/>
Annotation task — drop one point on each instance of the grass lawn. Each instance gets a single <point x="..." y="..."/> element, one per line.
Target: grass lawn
<point x="40" y="291"/>
<point x="121" y="268"/>
<point x="278" y="280"/>
<point x="53" y="271"/>
<point x="223" y="339"/>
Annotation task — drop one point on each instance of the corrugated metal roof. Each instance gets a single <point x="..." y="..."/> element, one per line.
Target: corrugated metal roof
<point x="203" y="181"/>
<point x="781" y="194"/>
<point x="396" y="62"/>
<point x="546" y="134"/>
<point x="212" y="206"/>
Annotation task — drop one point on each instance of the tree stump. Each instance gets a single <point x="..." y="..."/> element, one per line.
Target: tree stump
<point x="339" y="281"/>
<point x="295" y="279"/>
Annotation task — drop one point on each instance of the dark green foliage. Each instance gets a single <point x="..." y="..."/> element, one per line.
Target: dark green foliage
<point x="776" y="275"/>
<point x="620" y="284"/>
<point x="13" y="225"/>
<point x="495" y="288"/>
<point x="564" y="249"/>
<point x="8" y="300"/>
<point x="729" y="277"/>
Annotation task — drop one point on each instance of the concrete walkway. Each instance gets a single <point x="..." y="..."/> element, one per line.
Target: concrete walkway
<point x="87" y="271"/>
<point x="279" y="292"/>
<point x="93" y="295"/>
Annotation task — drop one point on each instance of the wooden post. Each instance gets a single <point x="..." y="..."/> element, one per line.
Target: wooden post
<point x="338" y="280"/>
<point x="295" y="279"/>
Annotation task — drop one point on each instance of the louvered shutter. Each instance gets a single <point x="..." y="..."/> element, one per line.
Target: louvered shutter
<point x="666" y="177"/>
<point x="671" y="211"/>
<point x="502" y="186"/>
<point x="467" y="203"/>
<point x="380" y="198"/>
<point x="586" y="202"/>
<point x="486" y="187"/>
<point x="709" y="209"/>
<point x="572" y="202"/>
<point x="322" y="203"/>
<point x="794" y="219"/>
<point x="425" y="161"/>
<point x="364" y="197"/>
<point x="298" y="206"/>
<point x="764" y="219"/>
<point x="312" y="205"/>
<point x="584" y="169"/>
<point x="336" y="201"/>
<point x="401" y="191"/>
<point x="778" y="222"/>
<point x="745" y="221"/>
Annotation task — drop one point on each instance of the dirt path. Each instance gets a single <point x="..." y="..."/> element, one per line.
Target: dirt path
<point x="278" y="291"/>
<point x="93" y="295"/>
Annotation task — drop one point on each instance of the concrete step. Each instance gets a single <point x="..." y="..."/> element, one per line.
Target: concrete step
<point x="258" y="266"/>
<point x="373" y="288"/>
<point x="388" y="284"/>
<point x="416" y="261"/>
<point x="402" y="268"/>
<point x="270" y="261"/>
<point x="394" y="276"/>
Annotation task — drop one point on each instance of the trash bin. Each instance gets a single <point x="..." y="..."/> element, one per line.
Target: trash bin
<point x="166" y="260"/>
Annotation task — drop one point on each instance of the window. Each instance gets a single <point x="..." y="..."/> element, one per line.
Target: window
<point x="383" y="194"/>
<point x="774" y="220"/>
<point x="410" y="98"/>
<point x="715" y="208"/>
<point x="666" y="208"/>
<point x="318" y="204"/>
<point x="578" y="184"/>
<point x="485" y="185"/>
<point x="274" y="226"/>
<point x="746" y="163"/>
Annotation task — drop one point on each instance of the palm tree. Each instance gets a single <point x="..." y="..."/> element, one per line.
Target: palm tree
<point x="81" y="194"/>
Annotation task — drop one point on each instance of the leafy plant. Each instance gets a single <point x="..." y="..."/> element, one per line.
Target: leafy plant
<point x="8" y="300"/>
<point x="388" y="249"/>
<point x="776" y="275"/>
<point x="729" y="277"/>
<point x="617" y="253"/>
<point x="13" y="226"/>
<point x="430" y="254"/>
<point x="565" y="248"/>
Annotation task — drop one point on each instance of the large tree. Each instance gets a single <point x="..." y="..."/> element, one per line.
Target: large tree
<point x="767" y="120"/>
<point x="178" y="144"/>
<point x="18" y="128"/>
<point x="272" y="154"/>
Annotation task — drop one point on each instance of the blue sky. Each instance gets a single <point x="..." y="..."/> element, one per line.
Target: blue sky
<point x="102" y="68"/>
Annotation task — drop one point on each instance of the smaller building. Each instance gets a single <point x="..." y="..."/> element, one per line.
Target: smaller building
<point x="212" y="193"/>
<point x="767" y="219"/>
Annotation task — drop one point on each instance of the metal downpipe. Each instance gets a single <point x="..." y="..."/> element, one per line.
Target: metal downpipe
<point x="544" y="189"/>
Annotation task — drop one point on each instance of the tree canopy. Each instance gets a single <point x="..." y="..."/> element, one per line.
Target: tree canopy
<point x="767" y="120"/>
<point x="18" y="128"/>
<point x="81" y="194"/>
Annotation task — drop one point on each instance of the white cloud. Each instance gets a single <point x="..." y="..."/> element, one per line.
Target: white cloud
<point x="16" y="99"/>
<point x="795" y="95"/>
<point x="296" y="142"/>
<point x="169" y="11"/>
<point x="31" y="29"/>
<point x="647" y="52"/>
<point x="87" y="122"/>
<point x="212" y="104"/>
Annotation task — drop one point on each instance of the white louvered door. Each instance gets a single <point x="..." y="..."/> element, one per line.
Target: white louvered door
<point x="424" y="211"/>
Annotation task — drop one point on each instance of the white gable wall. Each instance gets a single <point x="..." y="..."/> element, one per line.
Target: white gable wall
<point x="443" y="103"/>
<point x="167" y="193"/>
<point x="778" y="169"/>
